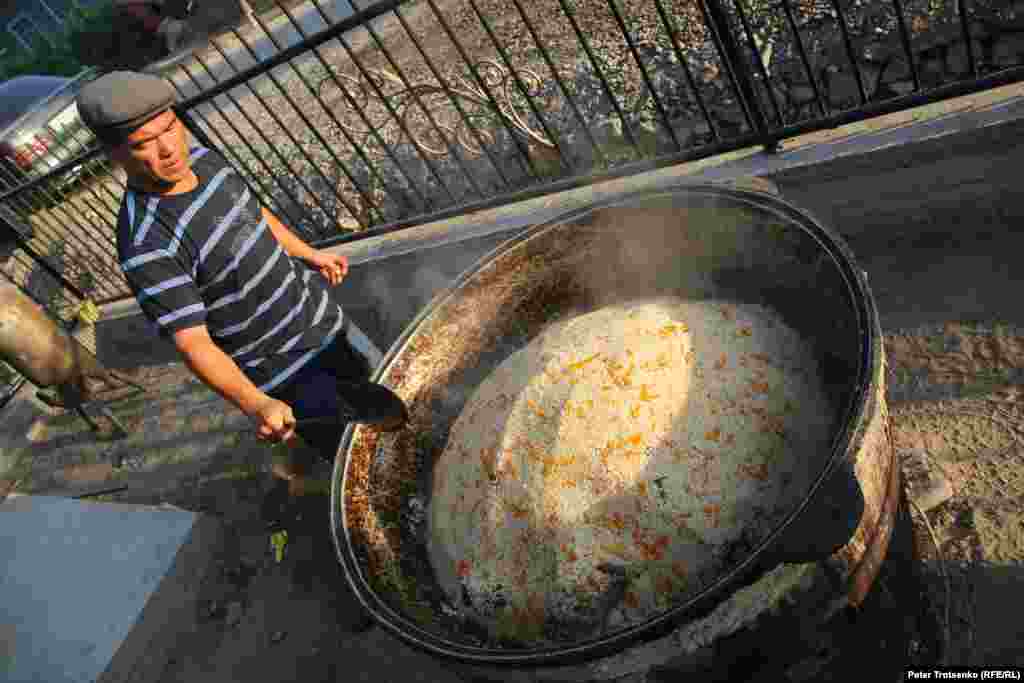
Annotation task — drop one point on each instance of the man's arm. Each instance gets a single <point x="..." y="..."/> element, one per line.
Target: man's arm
<point x="334" y="267"/>
<point x="220" y="372"/>
<point x="291" y="243"/>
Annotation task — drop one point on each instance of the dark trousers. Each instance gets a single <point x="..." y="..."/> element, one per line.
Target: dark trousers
<point x="313" y="392"/>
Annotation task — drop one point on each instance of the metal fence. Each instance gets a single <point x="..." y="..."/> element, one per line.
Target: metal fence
<point x="406" y="112"/>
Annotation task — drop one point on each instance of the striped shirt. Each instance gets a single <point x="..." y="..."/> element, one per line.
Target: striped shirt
<point x="208" y="257"/>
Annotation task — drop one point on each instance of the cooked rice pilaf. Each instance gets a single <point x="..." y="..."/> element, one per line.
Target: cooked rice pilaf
<point x="642" y="440"/>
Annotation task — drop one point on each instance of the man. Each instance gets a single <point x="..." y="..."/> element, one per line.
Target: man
<point x="220" y="275"/>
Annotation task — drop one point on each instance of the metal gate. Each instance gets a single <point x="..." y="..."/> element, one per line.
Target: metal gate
<point x="352" y="121"/>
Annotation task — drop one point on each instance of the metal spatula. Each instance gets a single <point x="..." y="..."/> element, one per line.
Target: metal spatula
<point x="366" y="403"/>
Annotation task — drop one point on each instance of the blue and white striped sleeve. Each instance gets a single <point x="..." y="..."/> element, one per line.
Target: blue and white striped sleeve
<point x="166" y="292"/>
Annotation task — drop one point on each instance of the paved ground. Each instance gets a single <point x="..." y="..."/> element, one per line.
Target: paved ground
<point x="938" y="250"/>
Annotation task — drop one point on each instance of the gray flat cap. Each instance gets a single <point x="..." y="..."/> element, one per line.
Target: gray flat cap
<point x="117" y="103"/>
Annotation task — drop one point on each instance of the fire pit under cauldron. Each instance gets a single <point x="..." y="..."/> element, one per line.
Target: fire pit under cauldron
<point x="694" y="242"/>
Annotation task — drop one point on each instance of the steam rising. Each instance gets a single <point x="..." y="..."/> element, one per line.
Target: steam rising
<point x="398" y="296"/>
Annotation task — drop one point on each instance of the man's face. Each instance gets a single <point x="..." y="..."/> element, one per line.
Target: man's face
<point x="156" y="154"/>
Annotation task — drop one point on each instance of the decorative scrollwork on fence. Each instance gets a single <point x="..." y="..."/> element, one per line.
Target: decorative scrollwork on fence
<point x="410" y="120"/>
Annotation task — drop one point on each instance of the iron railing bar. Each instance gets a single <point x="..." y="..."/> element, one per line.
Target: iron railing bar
<point x="312" y="91"/>
<point x="559" y="81"/>
<point x="28" y="268"/>
<point x="23" y="179"/>
<point x="75" y="238"/>
<point x="965" y="29"/>
<point x="524" y="155"/>
<point x="393" y="113"/>
<point x="749" y="140"/>
<point x="804" y="59"/>
<point x="24" y="205"/>
<point x="330" y="150"/>
<point x="355" y="21"/>
<point x="416" y="95"/>
<point x="424" y="198"/>
<point x="58" y="308"/>
<point x="727" y="62"/>
<point x="299" y="147"/>
<point x="631" y="44"/>
<point x="454" y="99"/>
<point x="519" y="83"/>
<point x="93" y="174"/>
<point x="271" y="145"/>
<point x="101" y="180"/>
<point x="66" y="324"/>
<point x="850" y="52"/>
<point x="32" y="183"/>
<point x="585" y="44"/>
<point x="369" y="125"/>
<point x="28" y="264"/>
<point x="372" y="129"/>
<point x="57" y="223"/>
<point x="744" y="22"/>
<point x="358" y="148"/>
<point x="103" y="267"/>
<point x="907" y="47"/>
<point x="58" y="170"/>
<point x="269" y="196"/>
<point x="690" y="81"/>
<point x="16" y="176"/>
<point x="37" y="159"/>
<point x="45" y="227"/>
<point x="452" y="148"/>
<point x="44" y="263"/>
<point x="106" y="207"/>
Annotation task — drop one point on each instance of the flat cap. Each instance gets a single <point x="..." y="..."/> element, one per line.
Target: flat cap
<point x="117" y="103"/>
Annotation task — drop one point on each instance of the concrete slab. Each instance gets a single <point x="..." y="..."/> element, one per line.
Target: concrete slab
<point x="74" y="580"/>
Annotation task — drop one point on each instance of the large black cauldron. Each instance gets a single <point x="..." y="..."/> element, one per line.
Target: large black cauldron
<point x="694" y="242"/>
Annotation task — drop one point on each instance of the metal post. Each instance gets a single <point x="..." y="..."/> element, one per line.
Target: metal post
<point x="41" y="261"/>
<point x="745" y="86"/>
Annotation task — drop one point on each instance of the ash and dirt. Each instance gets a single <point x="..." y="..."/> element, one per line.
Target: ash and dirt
<point x="956" y="397"/>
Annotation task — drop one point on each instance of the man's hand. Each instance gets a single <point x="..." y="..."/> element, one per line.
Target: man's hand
<point x="275" y="420"/>
<point x="334" y="267"/>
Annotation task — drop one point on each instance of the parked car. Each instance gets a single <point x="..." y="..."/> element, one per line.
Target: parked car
<point x="39" y="127"/>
